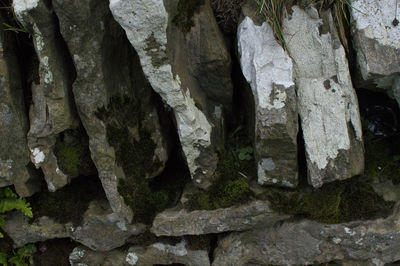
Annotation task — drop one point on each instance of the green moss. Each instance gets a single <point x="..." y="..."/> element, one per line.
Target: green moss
<point x="231" y="187"/>
<point x="185" y="12"/>
<point x="69" y="157"/>
<point x="336" y="202"/>
<point x="69" y="203"/>
<point x="134" y="151"/>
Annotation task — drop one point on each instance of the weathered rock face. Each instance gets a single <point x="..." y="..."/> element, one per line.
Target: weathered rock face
<point x="268" y="69"/>
<point x="308" y="242"/>
<point x="101" y="229"/>
<point x="108" y="78"/>
<point x="156" y="253"/>
<point x="52" y="110"/>
<point x="244" y="217"/>
<point x="377" y="44"/>
<point x="185" y="69"/>
<point x="14" y="153"/>
<point x="326" y="100"/>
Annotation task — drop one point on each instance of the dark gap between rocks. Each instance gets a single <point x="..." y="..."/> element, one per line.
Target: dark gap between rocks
<point x="54" y="252"/>
<point x="69" y="203"/>
<point x="301" y="158"/>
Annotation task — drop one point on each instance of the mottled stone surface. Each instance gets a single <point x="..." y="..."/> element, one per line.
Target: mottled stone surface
<point x="268" y="70"/>
<point x="14" y="153"/>
<point x="52" y="109"/>
<point x="186" y="70"/>
<point x="101" y="229"/>
<point x="306" y="242"/>
<point x="327" y="102"/>
<point x="182" y="222"/>
<point x="106" y="67"/>
<point x="155" y="253"/>
<point x="377" y="44"/>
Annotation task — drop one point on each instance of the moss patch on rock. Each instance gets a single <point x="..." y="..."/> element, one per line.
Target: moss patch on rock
<point x="134" y="151"/>
<point x="185" y="12"/>
<point x="336" y="202"/>
<point x="69" y="157"/>
<point x="69" y="203"/>
<point x="236" y="165"/>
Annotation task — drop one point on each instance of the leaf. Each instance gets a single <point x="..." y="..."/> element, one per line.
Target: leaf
<point x="9" y="204"/>
<point x="7" y="193"/>
<point x="3" y="259"/>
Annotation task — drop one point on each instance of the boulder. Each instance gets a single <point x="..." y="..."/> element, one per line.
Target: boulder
<point x="376" y="39"/>
<point x="268" y="70"/>
<point x="114" y="101"/>
<point x="327" y="102"/>
<point x="307" y="242"/>
<point x="256" y="214"/>
<point x="52" y="109"/>
<point x="158" y="253"/>
<point x="184" y="57"/>
<point x="100" y="229"/>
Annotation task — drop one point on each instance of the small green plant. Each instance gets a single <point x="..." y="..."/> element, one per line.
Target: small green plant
<point x="70" y="157"/>
<point x="9" y="201"/>
<point x="19" y="257"/>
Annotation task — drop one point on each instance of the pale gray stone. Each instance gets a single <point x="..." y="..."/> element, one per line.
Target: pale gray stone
<point x="255" y="214"/>
<point x="377" y="44"/>
<point x="107" y="66"/>
<point x="190" y="71"/>
<point x="14" y="153"/>
<point x="268" y="70"/>
<point x="155" y="253"/>
<point x="52" y="108"/>
<point x="327" y="102"/>
<point x="307" y="242"/>
<point x="101" y="229"/>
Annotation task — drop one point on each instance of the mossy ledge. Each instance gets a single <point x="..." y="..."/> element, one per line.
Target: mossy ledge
<point x="134" y="151"/>
<point x="69" y="203"/>
<point x="336" y="202"/>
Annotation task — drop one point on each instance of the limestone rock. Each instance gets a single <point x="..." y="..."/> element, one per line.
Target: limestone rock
<point x="307" y="242"/>
<point x="189" y="70"/>
<point x="158" y="253"/>
<point x="107" y="69"/>
<point x="268" y="69"/>
<point x="240" y="218"/>
<point x="377" y="44"/>
<point x="52" y="110"/>
<point x="101" y="229"/>
<point x="327" y="102"/>
<point x="14" y="154"/>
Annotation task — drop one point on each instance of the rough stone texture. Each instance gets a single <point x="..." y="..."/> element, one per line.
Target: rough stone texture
<point x="52" y="110"/>
<point x="191" y="73"/>
<point x="101" y="229"/>
<point x="306" y="242"/>
<point x="327" y="103"/>
<point x="268" y="69"/>
<point x="377" y="44"/>
<point x="103" y="61"/>
<point x="158" y="253"/>
<point x="14" y="153"/>
<point x="253" y="215"/>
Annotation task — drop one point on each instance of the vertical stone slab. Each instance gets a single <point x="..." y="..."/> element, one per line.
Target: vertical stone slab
<point x="52" y="110"/>
<point x="327" y="102"/>
<point x="376" y="40"/>
<point x="187" y="82"/>
<point x="14" y="153"/>
<point x="268" y="70"/>
<point x="105" y="72"/>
